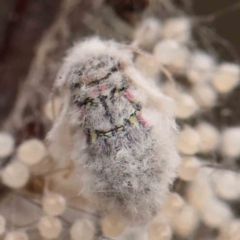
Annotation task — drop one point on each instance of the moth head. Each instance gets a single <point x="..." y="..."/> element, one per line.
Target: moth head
<point x="103" y="56"/>
<point x="92" y="71"/>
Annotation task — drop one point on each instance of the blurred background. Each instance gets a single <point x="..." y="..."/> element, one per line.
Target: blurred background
<point x="24" y="22"/>
<point x="204" y="203"/>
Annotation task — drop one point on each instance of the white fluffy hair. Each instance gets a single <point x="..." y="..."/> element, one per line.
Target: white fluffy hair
<point x="118" y="128"/>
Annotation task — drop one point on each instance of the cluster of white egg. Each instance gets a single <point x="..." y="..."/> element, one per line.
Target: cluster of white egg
<point x="208" y="190"/>
<point x="17" y="174"/>
<point x="25" y="159"/>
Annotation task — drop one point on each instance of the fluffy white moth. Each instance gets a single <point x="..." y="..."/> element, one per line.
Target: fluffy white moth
<point x="118" y="128"/>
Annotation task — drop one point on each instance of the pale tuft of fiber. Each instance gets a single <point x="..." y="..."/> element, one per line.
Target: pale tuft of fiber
<point x="52" y="108"/>
<point x="171" y="90"/>
<point x="159" y="231"/>
<point x="15" y="175"/>
<point x="209" y="137"/>
<point x="2" y="225"/>
<point x="186" y="221"/>
<point x="54" y="204"/>
<point x="82" y="229"/>
<point x="147" y="67"/>
<point x="229" y="142"/>
<point x="189" y="168"/>
<point x="226" y="184"/>
<point x="172" y="205"/>
<point x="6" y="144"/>
<point x="186" y="106"/>
<point x="178" y="29"/>
<point x="230" y="231"/>
<point x="112" y="226"/>
<point x="205" y="95"/>
<point x="226" y="77"/>
<point x="31" y="151"/>
<point x="148" y="32"/>
<point x="201" y="67"/>
<point x="216" y="213"/>
<point x="188" y="141"/>
<point x="172" y="54"/>
<point x="200" y="190"/>
<point x="16" y="235"/>
<point x="49" y="227"/>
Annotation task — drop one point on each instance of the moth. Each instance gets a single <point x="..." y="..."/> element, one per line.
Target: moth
<point x="118" y="128"/>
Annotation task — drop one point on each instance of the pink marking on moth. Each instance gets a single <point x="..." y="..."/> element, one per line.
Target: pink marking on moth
<point x="141" y="119"/>
<point x="103" y="87"/>
<point x="81" y="110"/>
<point x="95" y="90"/>
<point x="129" y="96"/>
<point x="86" y="134"/>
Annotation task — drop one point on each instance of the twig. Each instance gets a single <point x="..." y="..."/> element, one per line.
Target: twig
<point x="220" y="167"/>
<point x="147" y="55"/>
